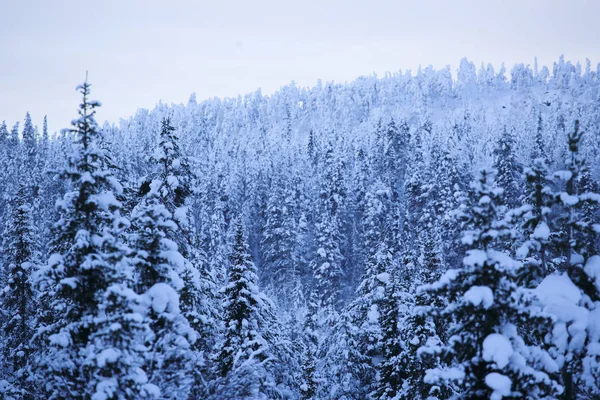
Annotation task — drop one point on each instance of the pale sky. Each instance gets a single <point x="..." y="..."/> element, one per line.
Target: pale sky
<point x="138" y="52"/>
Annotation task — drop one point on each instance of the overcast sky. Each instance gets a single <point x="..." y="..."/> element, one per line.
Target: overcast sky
<point x="138" y="52"/>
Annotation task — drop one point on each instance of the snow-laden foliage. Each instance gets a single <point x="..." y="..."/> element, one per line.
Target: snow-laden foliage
<point x="316" y="243"/>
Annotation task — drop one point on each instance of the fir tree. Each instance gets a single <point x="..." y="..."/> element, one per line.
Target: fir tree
<point x="29" y="137"/>
<point x="505" y="162"/>
<point x="87" y="259"/>
<point x="246" y="358"/>
<point x="486" y="306"/>
<point x="19" y="258"/>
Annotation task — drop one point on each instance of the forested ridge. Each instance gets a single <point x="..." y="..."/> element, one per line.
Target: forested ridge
<point x="413" y="236"/>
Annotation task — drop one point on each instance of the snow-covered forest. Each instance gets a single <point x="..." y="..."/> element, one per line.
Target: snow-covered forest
<point x="423" y="235"/>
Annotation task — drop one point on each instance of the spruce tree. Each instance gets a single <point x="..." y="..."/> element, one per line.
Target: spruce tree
<point x="485" y="306"/>
<point x="572" y="244"/>
<point x="247" y="356"/>
<point x="86" y="263"/>
<point x="509" y="170"/>
<point x="18" y="261"/>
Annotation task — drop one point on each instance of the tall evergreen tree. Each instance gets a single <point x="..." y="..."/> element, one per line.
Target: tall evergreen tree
<point x="86" y="263"/>
<point x="19" y="259"/>
<point x="486" y="306"/>
<point x="247" y="355"/>
<point x="509" y="170"/>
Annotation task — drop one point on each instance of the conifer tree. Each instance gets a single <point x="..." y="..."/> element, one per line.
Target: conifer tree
<point x="86" y="263"/>
<point x="18" y="261"/>
<point x="170" y="187"/>
<point x="247" y="356"/>
<point x="486" y="306"/>
<point x="280" y="271"/>
<point x="572" y="244"/>
<point x="538" y="200"/>
<point x="365" y="313"/>
<point x="29" y="137"/>
<point x="505" y="162"/>
<point x="389" y="378"/>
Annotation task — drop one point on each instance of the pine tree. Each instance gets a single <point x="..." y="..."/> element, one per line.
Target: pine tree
<point x="29" y="138"/>
<point x="279" y="266"/>
<point x="509" y="170"/>
<point x="539" y="149"/>
<point x="19" y="259"/>
<point x="538" y="200"/>
<point x="170" y="187"/>
<point x="389" y="378"/>
<point x="365" y="313"/>
<point x="486" y="306"/>
<point x="245" y="361"/>
<point x="326" y="267"/>
<point x="572" y="244"/>
<point x="87" y="260"/>
<point x="119" y="362"/>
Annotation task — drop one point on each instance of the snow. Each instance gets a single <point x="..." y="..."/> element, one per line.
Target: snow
<point x="172" y="181"/>
<point x="384" y="277"/>
<point x="593" y="197"/>
<point x="163" y="298"/>
<point x="107" y="356"/>
<point x="479" y="296"/>
<point x="435" y="375"/>
<point x="321" y="252"/>
<point x="373" y="314"/>
<point x="180" y="214"/>
<point x="503" y="260"/>
<point x="564" y="175"/>
<point x="105" y="200"/>
<point x="71" y="282"/>
<point x="475" y="257"/>
<point x="568" y="199"/>
<point x="541" y="232"/>
<point x="560" y="297"/>
<point x="61" y="339"/>
<point x="497" y="349"/>
<point x="152" y="390"/>
<point x="444" y="280"/>
<point x="106" y="389"/>
<point x="500" y="384"/>
<point x="558" y="289"/>
<point x="592" y="269"/>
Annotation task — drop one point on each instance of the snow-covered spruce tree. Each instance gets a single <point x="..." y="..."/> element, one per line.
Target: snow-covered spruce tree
<point x="590" y="209"/>
<point x="538" y="200"/>
<point x="120" y="352"/>
<point x="18" y="260"/>
<point x="309" y="381"/>
<point x="365" y="313"/>
<point x="327" y="263"/>
<point x="157" y="261"/>
<point x="574" y="242"/>
<point x="572" y="245"/>
<point x="172" y="170"/>
<point x="340" y="362"/>
<point x="327" y="270"/>
<point x="417" y="327"/>
<point x="389" y="377"/>
<point x="86" y="264"/>
<point x="29" y="140"/>
<point x="171" y="184"/>
<point x="485" y="356"/>
<point x="539" y="149"/>
<point x="279" y="267"/>
<point x="246" y="360"/>
<point x="509" y="170"/>
<point x="450" y="196"/>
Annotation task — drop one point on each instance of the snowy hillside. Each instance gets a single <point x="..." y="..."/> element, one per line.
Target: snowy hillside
<point x="410" y="236"/>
